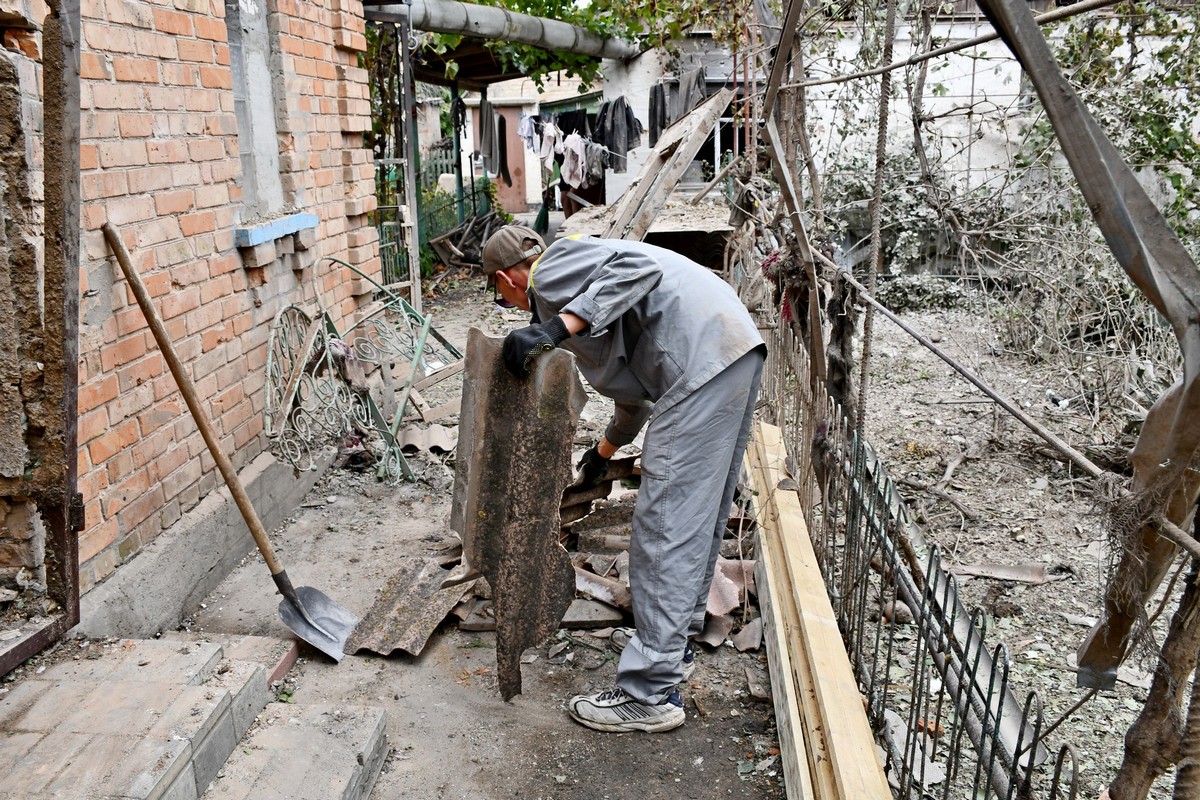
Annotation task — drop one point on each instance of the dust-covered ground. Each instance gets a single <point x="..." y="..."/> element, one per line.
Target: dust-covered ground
<point x="451" y="734"/>
<point x="989" y="491"/>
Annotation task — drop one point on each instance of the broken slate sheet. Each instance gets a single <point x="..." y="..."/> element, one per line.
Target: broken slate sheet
<point x="513" y="462"/>
<point x="407" y="610"/>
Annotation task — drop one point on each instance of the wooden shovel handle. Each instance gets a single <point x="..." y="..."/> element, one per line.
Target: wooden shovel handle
<point x="188" y="390"/>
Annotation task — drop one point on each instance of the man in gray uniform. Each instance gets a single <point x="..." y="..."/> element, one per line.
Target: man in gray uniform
<point x="671" y="344"/>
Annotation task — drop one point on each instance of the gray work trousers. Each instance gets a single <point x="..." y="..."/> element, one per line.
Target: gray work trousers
<point x="690" y="463"/>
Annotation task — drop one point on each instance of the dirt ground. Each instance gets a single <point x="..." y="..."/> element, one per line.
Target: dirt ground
<point x="451" y="734"/>
<point x="1018" y="503"/>
<point x="453" y="737"/>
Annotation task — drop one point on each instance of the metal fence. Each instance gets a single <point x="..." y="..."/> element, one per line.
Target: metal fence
<point x="937" y="693"/>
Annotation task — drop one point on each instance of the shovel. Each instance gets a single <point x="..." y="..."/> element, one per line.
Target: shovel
<point x="305" y="611"/>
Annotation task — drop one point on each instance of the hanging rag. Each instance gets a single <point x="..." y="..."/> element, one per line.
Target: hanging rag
<point x="528" y="132"/>
<point x="658" y="112"/>
<point x="574" y="169"/>
<point x="551" y="144"/>
<point x="690" y="94"/>
<point x="619" y="131"/>
<point x="502" y="158"/>
<point x="489" y="144"/>
<point x="596" y="158"/>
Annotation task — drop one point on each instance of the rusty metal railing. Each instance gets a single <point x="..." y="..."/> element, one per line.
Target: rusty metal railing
<point x="937" y="692"/>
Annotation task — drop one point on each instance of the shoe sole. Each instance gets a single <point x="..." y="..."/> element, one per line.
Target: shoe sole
<point x="666" y="722"/>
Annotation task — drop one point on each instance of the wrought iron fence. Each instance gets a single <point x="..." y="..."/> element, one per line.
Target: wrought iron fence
<point x="938" y="694"/>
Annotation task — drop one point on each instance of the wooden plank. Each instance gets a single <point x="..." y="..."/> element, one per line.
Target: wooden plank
<point x="851" y="744"/>
<point x="807" y="735"/>
<point x="793" y="750"/>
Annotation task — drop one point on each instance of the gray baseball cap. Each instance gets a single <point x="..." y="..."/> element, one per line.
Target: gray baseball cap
<point x="510" y="245"/>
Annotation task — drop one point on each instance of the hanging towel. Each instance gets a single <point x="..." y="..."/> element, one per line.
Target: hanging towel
<point x="658" y="111"/>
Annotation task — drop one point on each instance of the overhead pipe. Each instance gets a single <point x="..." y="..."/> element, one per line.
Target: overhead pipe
<point x="489" y="22"/>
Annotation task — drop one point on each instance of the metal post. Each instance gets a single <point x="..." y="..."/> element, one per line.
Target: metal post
<point x="458" y="176"/>
<point x="412" y="225"/>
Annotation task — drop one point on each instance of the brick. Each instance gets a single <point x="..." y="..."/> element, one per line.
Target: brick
<point x="153" y="419"/>
<point x="216" y="78"/>
<point x="94" y="216"/>
<point x="142" y="507"/>
<point x="196" y="50"/>
<point x="203" y="222"/>
<point x="96" y="393"/>
<point x="210" y="196"/>
<point x="149" y="179"/>
<point x="201" y="100"/>
<point x="138" y="372"/>
<point x="180" y="479"/>
<point x="124" y="12"/>
<point x="114" y="442"/>
<point x="259" y="256"/>
<point x="96" y="538"/>
<point x="206" y="149"/>
<point x="176" y="202"/>
<point x="93" y="68"/>
<point x="109" y="38"/>
<point x="185" y="174"/>
<point x="174" y="255"/>
<point x="129" y="404"/>
<point x="170" y="460"/>
<point x="172" y="22"/>
<point x="92" y="424"/>
<point x="119" y="96"/>
<point x="157" y="231"/>
<point x="122" y="352"/>
<point x="180" y="74"/>
<point x="133" y="126"/>
<point x="163" y="98"/>
<point x="123" y="493"/>
<point x="135" y="70"/>
<point x="210" y="29"/>
<point x="91" y="484"/>
<point x="180" y="302"/>
<point x="122" y="154"/>
<point x="159" y="45"/>
<point x="166" y="151"/>
<point x="131" y="209"/>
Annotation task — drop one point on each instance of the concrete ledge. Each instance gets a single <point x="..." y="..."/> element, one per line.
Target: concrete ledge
<point x="269" y="231"/>
<point x="169" y="579"/>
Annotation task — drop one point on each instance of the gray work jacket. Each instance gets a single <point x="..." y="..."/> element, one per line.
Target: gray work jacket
<point x="659" y="325"/>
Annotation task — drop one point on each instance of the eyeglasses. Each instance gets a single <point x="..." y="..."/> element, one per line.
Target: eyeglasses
<point x="498" y="298"/>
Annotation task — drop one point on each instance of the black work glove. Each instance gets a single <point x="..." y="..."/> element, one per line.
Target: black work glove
<point x="525" y="344"/>
<point x="592" y="467"/>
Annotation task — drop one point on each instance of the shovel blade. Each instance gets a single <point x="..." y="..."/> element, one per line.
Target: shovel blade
<point x="335" y="623"/>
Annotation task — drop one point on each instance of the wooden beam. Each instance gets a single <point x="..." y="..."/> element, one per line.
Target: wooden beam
<point x="658" y="177"/>
<point x="836" y="706"/>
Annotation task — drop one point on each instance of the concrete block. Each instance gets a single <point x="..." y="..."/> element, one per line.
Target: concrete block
<point x="184" y="787"/>
<point x="210" y="752"/>
<point x="52" y="755"/>
<point x="258" y="256"/>
<point x="150" y="768"/>
<point x="189" y="663"/>
<point x="187" y="561"/>
<point x="302" y="752"/>
<point x="306" y="239"/>
<point x="122" y="708"/>
<point x="248" y="690"/>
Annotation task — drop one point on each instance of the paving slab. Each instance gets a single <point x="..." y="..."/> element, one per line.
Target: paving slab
<point x="132" y="719"/>
<point x="306" y="752"/>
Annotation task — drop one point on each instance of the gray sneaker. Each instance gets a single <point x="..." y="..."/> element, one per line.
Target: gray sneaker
<point x="614" y="711"/>
<point x="621" y="636"/>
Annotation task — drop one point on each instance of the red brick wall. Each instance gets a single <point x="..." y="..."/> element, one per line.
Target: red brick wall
<point x="159" y="159"/>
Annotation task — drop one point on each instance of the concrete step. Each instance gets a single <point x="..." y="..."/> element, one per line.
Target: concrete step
<point x="133" y="719"/>
<point x="306" y="752"/>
